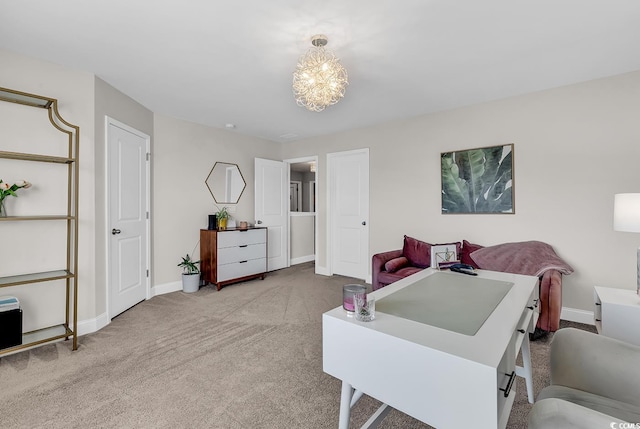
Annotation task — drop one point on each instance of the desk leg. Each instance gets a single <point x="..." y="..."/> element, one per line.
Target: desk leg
<point x="526" y="362"/>
<point x="345" y="405"/>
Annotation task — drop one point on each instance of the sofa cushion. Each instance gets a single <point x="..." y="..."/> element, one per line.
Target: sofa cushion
<point x="395" y="264"/>
<point x="417" y="252"/>
<point x="385" y="278"/>
<point x="467" y="250"/>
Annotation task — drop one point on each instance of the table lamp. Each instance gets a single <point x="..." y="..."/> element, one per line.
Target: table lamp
<point x="626" y="217"/>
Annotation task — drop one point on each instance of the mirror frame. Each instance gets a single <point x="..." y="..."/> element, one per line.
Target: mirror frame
<point x="226" y="164"/>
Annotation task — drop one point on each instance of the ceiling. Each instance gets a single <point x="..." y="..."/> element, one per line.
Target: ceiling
<point x="219" y="62"/>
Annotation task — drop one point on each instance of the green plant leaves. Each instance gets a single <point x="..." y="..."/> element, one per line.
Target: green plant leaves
<point x="478" y="180"/>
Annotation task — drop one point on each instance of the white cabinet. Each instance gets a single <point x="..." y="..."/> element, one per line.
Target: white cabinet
<point x="232" y="255"/>
<point x="617" y="313"/>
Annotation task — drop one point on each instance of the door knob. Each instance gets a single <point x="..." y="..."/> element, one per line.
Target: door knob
<point x="364" y="222"/>
<point x="259" y="222"/>
<point x="115" y="231"/>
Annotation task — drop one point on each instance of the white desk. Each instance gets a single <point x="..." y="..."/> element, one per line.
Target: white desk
<point x="441" y="377"/>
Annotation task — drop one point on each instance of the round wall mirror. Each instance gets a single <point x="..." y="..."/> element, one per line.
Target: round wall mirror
<point x="225" y="182"/>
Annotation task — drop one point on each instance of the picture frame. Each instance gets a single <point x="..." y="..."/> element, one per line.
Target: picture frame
<point x="478" y="180"/>
<point x="443" y="256"/>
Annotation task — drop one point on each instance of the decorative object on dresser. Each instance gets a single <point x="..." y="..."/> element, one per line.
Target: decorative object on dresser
<point x="213" y="222"/>
<point x="50" y="156"/>
<point x="233" y="255"/>
<point x="626" y="217"/>
<point x="478" y="180"/>
<point x="190" y="274"/>
<point x="222" y="217"/>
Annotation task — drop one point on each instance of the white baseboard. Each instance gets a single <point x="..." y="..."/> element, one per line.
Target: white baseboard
<point x="575" y="315"/>
<point x="93" y="325"/>
<point x="166" y="288"/>
<point x="302" y="259"/>
<point x="323" y="271"/>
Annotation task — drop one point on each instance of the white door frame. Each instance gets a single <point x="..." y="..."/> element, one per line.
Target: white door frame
<point x="110" y="121"/>
<point x="330" y="214"/>
<point x="313" y="158"/>
<point x="299" y="198"/>
<point x="312" y="194"/>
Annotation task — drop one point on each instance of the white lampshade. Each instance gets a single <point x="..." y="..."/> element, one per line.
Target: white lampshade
<point x="626" y="212"/>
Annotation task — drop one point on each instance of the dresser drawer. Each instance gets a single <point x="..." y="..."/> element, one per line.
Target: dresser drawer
<point x="228" y="255"/>
<point x="241" y="238"/>
<point x="240" y="269"/>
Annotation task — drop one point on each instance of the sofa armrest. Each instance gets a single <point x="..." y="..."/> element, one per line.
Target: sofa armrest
<point x="550" y="301"/>
<point x="596" y="364"/>
<point x="377" y="261"/>
<point x="559" y="414"/>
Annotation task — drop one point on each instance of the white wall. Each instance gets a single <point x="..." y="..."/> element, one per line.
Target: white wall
<point x="302" y="232"/>
<point x="182" y="157"/>
<point x="74" y="91"/>
<point x="575" y="147"/>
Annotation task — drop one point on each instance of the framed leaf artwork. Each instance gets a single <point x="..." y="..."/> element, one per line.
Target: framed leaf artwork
<point x="478" y="180"/>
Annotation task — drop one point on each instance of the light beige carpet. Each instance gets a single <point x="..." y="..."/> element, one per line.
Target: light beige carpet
<point x="249" y="356"/>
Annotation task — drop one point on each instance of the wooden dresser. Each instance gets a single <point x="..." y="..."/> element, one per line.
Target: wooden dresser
<point x="233" y="255"/>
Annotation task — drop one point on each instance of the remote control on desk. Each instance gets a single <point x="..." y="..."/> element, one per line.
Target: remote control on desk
<point x="467" y="271"/>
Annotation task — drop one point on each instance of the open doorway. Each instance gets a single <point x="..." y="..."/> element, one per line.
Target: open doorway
<point x="302" y="214"/>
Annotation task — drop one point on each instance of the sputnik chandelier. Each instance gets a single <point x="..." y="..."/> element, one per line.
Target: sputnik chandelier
<point x="319" y="79"/>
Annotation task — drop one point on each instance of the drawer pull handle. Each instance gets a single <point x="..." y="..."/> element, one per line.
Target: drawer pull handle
<point x="598" y="320"/>
<point x="597" y="303"/>
<point x="530" y="307"/>
<point x="243" y="262"/>
<point x="522" y="331"/>
<point x="244" y="245"/>
<point x="507" y="390"/>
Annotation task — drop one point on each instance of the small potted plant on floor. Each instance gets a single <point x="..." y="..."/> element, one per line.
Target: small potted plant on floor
<point x="222" y="215"/>
<point x="190" y="274"/>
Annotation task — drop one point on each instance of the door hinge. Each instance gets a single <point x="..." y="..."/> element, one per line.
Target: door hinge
<point x="147" y="215"/>
<point x="147" y="273"/>
<point x="148" y="156"/>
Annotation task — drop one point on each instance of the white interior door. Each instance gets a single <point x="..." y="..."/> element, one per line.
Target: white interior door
<point x="349" y="212"/>
<point x="272" y="209"/>
<point x="128" y="199"/>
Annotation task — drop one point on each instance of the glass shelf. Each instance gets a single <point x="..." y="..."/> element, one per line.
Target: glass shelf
<point x="44" y="217"/>
<point x="41" y="336"/>
<point x="24" y="98"/>
<point x="35" y="278"/>
<point x="35" y="157"/>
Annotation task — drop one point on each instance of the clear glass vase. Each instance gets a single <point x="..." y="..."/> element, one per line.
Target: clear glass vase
<point x="3" y="210"/>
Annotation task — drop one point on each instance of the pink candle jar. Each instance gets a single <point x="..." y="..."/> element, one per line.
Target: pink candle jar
<point x="348" y="291"/>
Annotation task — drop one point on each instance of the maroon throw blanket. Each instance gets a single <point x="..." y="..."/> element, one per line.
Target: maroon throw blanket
<point x="530" y="258"/>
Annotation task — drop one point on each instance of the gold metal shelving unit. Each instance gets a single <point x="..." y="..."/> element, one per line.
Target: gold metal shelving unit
<point x="69" y="273"/>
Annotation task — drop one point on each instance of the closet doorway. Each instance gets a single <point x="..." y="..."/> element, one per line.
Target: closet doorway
<point x="302" y="213"/>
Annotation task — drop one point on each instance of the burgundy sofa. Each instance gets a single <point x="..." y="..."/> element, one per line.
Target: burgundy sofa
<point x="531" y="258"/>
